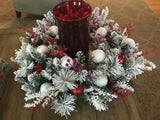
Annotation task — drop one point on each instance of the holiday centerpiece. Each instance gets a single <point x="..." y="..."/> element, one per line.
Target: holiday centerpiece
<point x="51" y="75"/>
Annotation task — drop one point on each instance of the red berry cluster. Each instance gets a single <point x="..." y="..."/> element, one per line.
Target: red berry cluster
<point x="77" y="67"/>
<point x="59" y="52"/>
<point x="51" y="41"/>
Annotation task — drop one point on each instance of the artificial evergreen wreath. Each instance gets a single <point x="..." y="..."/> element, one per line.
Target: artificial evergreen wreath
<point x="50" y="77"/>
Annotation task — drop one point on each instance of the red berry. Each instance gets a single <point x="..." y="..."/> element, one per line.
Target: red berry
<point x="75" y="60"/>
<point x="68" y="60"/>
<point x="102" y="37"/>
<point x="81" y="66"/>
<point x="75" y="69"/>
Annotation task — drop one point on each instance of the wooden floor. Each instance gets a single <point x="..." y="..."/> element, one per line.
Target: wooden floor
<point x="8" y="18"/>
<point x="144" y="104"/>
<point x="154" y="6"/>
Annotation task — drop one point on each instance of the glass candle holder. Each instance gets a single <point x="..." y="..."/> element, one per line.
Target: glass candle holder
<point x="73" y="25"/>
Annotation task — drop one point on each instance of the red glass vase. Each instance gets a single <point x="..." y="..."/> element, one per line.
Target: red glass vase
<point x="73" y="25"/>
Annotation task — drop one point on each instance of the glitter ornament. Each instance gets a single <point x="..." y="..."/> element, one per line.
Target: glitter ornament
<point x="130" y="42"/>
<point x="78" y="90"/>
<point x="101" y="31"/>
<point x="53" y="30"/>
<point x="121" y="58"/>
<point x="44" y="89"/>
<point x="101" y="81"/>
<point x="98" y="56"/>
<point x="42" y="49"/>
<point x="66" y="61"/>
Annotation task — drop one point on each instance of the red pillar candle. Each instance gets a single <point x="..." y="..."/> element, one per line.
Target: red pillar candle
<point x="73" y="28"/>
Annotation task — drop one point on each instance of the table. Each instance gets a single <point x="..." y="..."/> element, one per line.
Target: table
<point x="144" y="104"/>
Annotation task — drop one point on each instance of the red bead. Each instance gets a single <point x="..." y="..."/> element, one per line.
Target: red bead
<point x="67" y="64"/>
<point x="75" y="69"/>
<point x="75" y="60"/>
<point x="103" y="37"/>
<point x="121" y="58"/>
<point x="98" y="34"/>
<point x="78" y="90"/>
<point x="68" y="60"/>
<point x="81" y="66"/>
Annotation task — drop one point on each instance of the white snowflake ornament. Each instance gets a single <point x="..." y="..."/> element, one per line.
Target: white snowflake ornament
<point x="101" y="31"/>
<point x="66" y="62"/>
<point x="42" y="49"/>
<point x="98" y="56"/>
<point x="101" y="81"/>
<point x="130" y="42"/>
<point x="44" y="89"/>
<point x="53" y="30"/>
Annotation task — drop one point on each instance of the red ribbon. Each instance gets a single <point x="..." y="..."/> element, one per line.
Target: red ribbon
<point x="147" y="52"/>
<point x="129" y="27"/>
<point x="122" y="92"/>
<point x="39" y="106"/>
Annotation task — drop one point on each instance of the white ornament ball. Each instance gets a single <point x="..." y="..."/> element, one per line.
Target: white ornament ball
<point x="66" y="61"/>
<point x="53" y="30"/>
<point x="98" y="56"/>
<point x="101" y="81"/>
<point x="130" y="42"/>
<point x="102" y="31"/>
<point x="45" y="87"/>
<point x="42" y="49"/>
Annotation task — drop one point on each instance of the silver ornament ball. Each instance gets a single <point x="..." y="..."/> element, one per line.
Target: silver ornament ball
<point x="101" y="81"/>
<point x="98" y="56"/>
<point x="102" y="31"/>
<point x="53" y="30"/>
<point x="44" y="89"/>
<point x="130" y="42"/>
<point x="42" y="49"/>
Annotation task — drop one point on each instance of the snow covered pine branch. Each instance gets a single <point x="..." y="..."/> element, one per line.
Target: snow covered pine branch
<point x="52" y="78"/>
